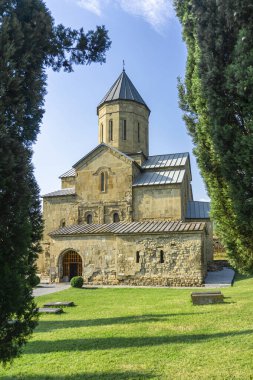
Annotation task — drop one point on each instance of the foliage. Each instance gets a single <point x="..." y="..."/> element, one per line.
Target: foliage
<point x="217" y="100"/>
<point x="141" y="334"/>
<point x="76" y="282"/>
<point x="36" y="281"/>
<point x="29" y="43"/>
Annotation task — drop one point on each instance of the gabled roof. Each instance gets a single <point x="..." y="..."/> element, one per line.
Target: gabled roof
<point x="159" y="178"/>
<point x="60" y="193"/>
<point x="198" y="210"/>
<point x="123" y="89"/>
<point x="99" y="147"/>
<point x="149" y="226"/>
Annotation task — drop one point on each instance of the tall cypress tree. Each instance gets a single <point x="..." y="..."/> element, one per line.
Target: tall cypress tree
<point x="29" y="43"/>
<point x="217" y="100"/>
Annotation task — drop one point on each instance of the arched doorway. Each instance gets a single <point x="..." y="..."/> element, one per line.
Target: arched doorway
<point x="71" y="264"/>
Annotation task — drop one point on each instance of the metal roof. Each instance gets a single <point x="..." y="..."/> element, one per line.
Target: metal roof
<point x="61" y="193"/>
<point x="153" y="226"/>
<point x="198" y="210"/>
<point x="70" y="173"/>
<point x="166" y="160"/>
<point x="159" y="178"/>
<point x="123" y="89"/>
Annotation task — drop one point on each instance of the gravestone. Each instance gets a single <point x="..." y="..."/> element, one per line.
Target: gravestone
<point x="206" y="298"/>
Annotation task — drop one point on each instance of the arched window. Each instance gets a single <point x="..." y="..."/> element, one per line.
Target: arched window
<point x="89" y="219"/>
<point x="138" y="132"/>
<point x="102" y="132"/>
<point x="137" y="257"/>
<point x="124" y="132"/>
<point x="102" y="182"/>
<point x="161" y="257"/>
<point x="62" y="223"/>
<point x="111" y="130"/>
<point x="115" y="217"/>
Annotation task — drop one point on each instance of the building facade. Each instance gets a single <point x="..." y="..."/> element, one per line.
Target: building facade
<point x="122" y="216"/>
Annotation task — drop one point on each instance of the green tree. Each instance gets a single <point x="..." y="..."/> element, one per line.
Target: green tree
<point x="30" y="42"/>
<point x="217" y="100"/>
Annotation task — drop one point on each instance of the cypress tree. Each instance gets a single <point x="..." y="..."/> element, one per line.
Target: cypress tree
<point x="29" y="43"/>
<point x="216" y="98"/>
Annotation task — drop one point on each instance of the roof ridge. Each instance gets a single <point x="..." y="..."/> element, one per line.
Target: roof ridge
<point x="166" y="154"/>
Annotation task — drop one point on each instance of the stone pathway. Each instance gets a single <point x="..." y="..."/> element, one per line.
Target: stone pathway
<point x="220" y="279"/>
<point x="43" y="289"/>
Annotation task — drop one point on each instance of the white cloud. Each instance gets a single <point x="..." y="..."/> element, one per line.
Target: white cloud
<point x="93" y="6"/>
<point x="155" y="12"/>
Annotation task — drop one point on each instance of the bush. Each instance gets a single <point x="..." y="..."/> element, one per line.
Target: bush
<point x="76" y="282"/>
<point x="35" y="281"/>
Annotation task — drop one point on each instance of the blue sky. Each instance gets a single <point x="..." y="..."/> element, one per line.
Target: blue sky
<point x="147" y="35"/>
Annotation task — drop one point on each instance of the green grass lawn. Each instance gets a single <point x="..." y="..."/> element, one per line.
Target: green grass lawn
<point x="141" y="334"/>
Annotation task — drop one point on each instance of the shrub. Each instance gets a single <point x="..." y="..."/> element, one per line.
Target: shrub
<point x="76" y="282"/>
<point x="35" y="281"/>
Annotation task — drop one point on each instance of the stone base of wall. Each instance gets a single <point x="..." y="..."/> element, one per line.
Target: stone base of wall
<point x="148" y="281"/>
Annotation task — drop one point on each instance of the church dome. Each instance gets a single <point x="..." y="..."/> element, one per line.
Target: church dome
<point x="123" y="89"/>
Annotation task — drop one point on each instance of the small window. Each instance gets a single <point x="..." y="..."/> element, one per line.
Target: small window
<point x="89" y="219"/>
<point x="137" y="257"/>
<point x="161" y="257"/>
<point x="110" y="130"/>
<point x="115" y="217"/>
<point x="124" y="134"/>
<point x="138" y="132"/>
<point x="102" y="133"/>
<point x="62" y="223"/>
<point x="102" y="182"/>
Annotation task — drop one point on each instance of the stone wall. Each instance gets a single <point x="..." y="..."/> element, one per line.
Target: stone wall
<point x="89" y="198"/>
<point x="157" y="202"/>
<point x="133" y="113"/>
<point x="113" y="259"/>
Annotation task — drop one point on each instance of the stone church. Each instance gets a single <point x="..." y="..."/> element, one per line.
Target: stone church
<point x="123" y="216"/>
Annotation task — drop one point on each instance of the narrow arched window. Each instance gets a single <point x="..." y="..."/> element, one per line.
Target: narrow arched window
<point x="115" y="217"/>
<point x="89" y="219"/>
<point x="124" y="131"/>
<point x="137" y="257"/>
<point x="138" y="132"/>
<point x="102" y="181"/>
<point x="62" y="223"/>
<point x="161" y="257"/>
<point x="110" y="130"/>
<point x="102" y="132"/>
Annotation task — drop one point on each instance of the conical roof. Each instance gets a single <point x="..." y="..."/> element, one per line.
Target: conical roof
<point x="123" y="89"/>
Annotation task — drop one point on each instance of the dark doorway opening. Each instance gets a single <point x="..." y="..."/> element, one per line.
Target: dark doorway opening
<point x="73" y="270"/>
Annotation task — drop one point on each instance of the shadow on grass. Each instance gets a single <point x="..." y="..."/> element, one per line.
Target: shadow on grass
<point x="128" y="375"/>
<point x="63" y="324"/>
<point x="241" y="277"/>
<point x="45" y="346"/>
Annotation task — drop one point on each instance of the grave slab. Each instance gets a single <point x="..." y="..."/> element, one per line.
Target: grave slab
<point x="49" y="310"/>
<point x="59" y="303"/>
